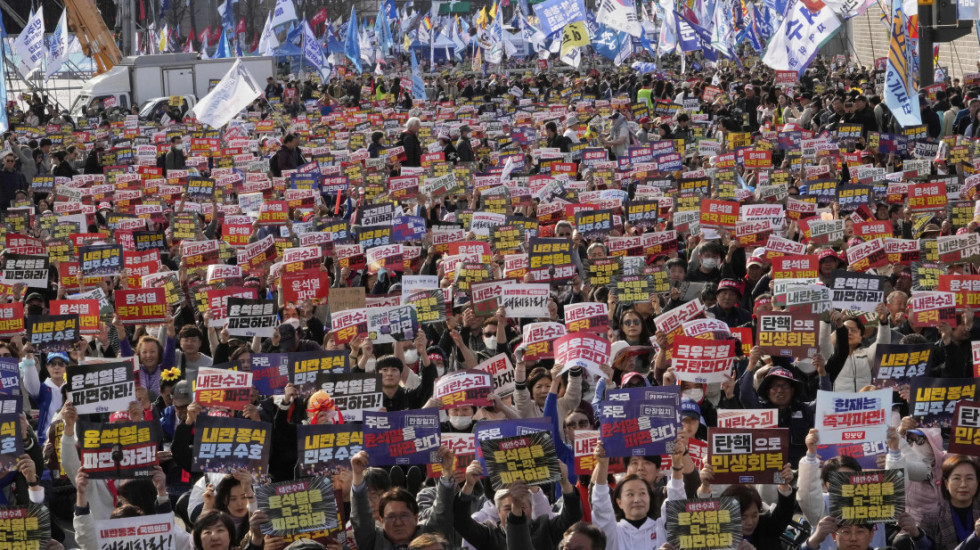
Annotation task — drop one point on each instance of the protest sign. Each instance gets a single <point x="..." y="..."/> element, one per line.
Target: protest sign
<point x="866" y="453"/>
<point x="464" y="388"/>
<point x="931" y="309"/>
<point x="788" y="335"/>
<point x="964" y="437"/>
<point x="751" y="418"/>
<point x="250" y="318"/>
<point x="222" y="445"/>
<point x="402" y="437"/>
<point x="584" y="446"/>
<point x="795" y="267"/>
<point x="530" y="458"/>
<point x="430" y="305"/>
<point x="391" y="324"/>
<point x="141" y="306"/>
<point x="297" y="506"/>
<point x="870" y="496"/>
<point x="502" y="373"/>
<point x="639" y="427"/>
<point x="844" y="417"/>
<point x="103" y="260"/>
<point x="11" y="439"/>
<point x="353" y="393"/>
<point x="98" y="445"/>
<point x="12" y="320"/>
<point x="550" y="259"/>
<point x="704" y="524"/>
<point x="539" y="340"/>
<point x="857" y="291"/>
<point x="307" y="370"/>
<point x="933" y="400"/>
<point x="223" y="388"/>
<point x="807" y="299"/>
<point x="324" y="448"/>
<point x="522" y="301"/>
<point x="741" y="455"/>
<point x="965" y="287"/>
<point x="586" y="350"/>
<point x="587" y="316"/>
<point x="102" y="387"/>
<point x="30" y="271"/>
<point x="270" y="372"/>
<point x="157" y="531"/>
<point x="496" y="429"/>
<point x="25" y="527"/>
<point x="463" y="446"/>
<point x="48" y="333"/>
<point x="895" y="364"/>
<point x="87" y="311"/>
<point x="702" y="361"/>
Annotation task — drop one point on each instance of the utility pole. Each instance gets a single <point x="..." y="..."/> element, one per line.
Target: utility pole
<point x="938" y="23"/>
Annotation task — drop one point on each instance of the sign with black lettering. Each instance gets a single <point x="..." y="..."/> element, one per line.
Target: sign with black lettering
<point x="102" y="387"/>
<point x="252" y="317"/>
<point x="100" y="446"/>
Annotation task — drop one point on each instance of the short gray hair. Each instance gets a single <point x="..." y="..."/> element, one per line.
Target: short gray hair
<point x="499" y="496"/>
<point x="412" y="122"/>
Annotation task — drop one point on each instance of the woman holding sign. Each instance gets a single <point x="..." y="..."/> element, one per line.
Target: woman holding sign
<point x="955" y="523"/>
<point x="633" y="523"/>
<point x="849" y="362"/>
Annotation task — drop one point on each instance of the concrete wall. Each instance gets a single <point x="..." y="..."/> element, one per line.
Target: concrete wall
<point x="866" y="38"/>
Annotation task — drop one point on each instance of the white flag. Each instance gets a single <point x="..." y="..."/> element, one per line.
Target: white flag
<point x="268" y="41"/>
<point x="799" y="37"/>
<point x="235" y="91"/>
<point x="312" y="51"/>
<point x="284" y="13"/>
<point x="619" y="15"/>
<point x="29" y="45"/>
<point x="59" y="47"/>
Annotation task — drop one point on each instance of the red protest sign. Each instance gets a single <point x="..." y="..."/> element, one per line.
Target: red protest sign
<point x="716" y="213"/>
<point x="305" y="285"/>
<point x="12" y="320"/>
<point x="462" y="388"/>
<point x="796" y="267"/>
<point x="926" y="197"/>
<point x="87" y="311"/>
<point x="141" y="306"/>
<point x="965" y="287"/>
<point x="539" y="340"/>
<point x="223" y="388"/>
<point x="702" y="361"/>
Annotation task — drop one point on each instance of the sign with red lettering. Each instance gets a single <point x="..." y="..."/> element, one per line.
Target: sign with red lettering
<point x="844" y="417"/>
<point x="927" y="197"/>
<point x="931" y="309"/>
<point x="585" y="350"/>
<point x="464" y="388"/>
<point x="702" y="361"/>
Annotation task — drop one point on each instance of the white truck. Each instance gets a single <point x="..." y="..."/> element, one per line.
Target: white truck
<point x="149" y="81"/>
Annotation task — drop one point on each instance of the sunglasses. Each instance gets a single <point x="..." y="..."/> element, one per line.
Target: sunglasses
<point x="631" y="322"/>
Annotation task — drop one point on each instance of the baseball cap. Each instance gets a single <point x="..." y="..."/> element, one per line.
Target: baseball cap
<point x="182" y="394"/>
<point x="57" y="355"/>
<point x="690" y="409"/>
<point x="643" y="120"/>
<point x="730" y="284"/>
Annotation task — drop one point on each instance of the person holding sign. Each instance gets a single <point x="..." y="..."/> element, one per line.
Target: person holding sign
<point x="398" y="509"/>
<point x="154" y="357"/>
<point x="761" y="529"/>
<point x="48" y="394"/>
<point x="849" y="363"/>
<point x="846" y="537"/>
<point x="957" y="518"/>
<point x="635" y="527"/>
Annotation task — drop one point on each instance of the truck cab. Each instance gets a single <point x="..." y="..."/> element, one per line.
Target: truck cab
<point x="154" y="109"/>
<point x="105" y="91"/>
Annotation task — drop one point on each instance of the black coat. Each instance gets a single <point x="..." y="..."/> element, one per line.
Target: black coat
<point x="413" y="149"/>
<point x="465" y="151"/>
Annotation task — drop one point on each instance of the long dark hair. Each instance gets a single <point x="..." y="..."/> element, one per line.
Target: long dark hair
<point x="652" y="513"/>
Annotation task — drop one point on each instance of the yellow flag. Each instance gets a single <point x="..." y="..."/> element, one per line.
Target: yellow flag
<point x="575" y="35"/>
<point x="493" y="11"/>
<point x="478" y="60"/>
<point x="481" y="18"/>
<point x="407" y="43"/>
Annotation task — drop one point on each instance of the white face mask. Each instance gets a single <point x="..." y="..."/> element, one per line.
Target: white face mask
<point x="709" y="263"/>
<point x="411" y="356"/>
<point x="695" y="394"/>
<point x="490" y="342"/>
<point x="461" y="422"/>
<point x="370" y="365"/>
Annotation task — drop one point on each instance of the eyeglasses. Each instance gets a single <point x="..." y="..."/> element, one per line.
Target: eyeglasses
<point x="398" y="518"/>
<point x="631" y="322"/>
<point x="916" y="439"/>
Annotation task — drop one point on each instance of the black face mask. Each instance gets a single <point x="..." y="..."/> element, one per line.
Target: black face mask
<point x="35" y="310"/>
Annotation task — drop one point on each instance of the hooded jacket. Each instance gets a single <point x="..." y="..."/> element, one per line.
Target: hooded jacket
<point x="924" y="494"/>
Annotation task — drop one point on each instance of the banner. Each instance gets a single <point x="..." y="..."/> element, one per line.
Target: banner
<point x="789" y="335"/>
<point x="99" y="443"/>
<point x="901" y="96"/>
<point x="931" y="309"/>
<point x="799" y="37"/>
<point x="502" y="373"/>
<point x="464" y="388"/>
<point x="965" y="433"/>
<point x="896" y="364"/>
<point x="704" y="524"/>
<point x="137" y="533"/>
<point x="871" y="496"/>
<point x="639" y="427"/>
<point x="223" y="388"/>
<point x="101" y="387"/>
<point x="844" y="417"/>
<point x="586" y="350"/>
<point x="325" y="448"/>
<point x="524" y="301"/>
<point x="530" y="458"/>
<point x="141" y="306"/>
<point x="402" y="437"/>
<point x="740" y="455"/>
<point x="932" y="401"/>
<point x="702" y="361"/>
<point x="299" y="506"/>
<point x="250" y="318"/>
<point x="222" y="445"/>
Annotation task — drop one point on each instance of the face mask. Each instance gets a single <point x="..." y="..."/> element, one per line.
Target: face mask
<point x="411" y="356"/>
<point x="709" y="263"/>
<point x="35" y="310"/>
<point x="696" y="394"/>
<point x="460" y="422"/>
<point x="370" y="365"/>
<point x="490" y="342"/>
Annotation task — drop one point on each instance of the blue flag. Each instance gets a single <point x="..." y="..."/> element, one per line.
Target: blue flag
<point x="392" y="11"/>
<point x="223" y="50"/>
<point x="352" y="49"/>
<point x="612" y="44"/>
<point x="418" y="86"/>
<point x="238" y="47"/>
<point x="164" y="6"/>
<point x="900" y="94"/>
